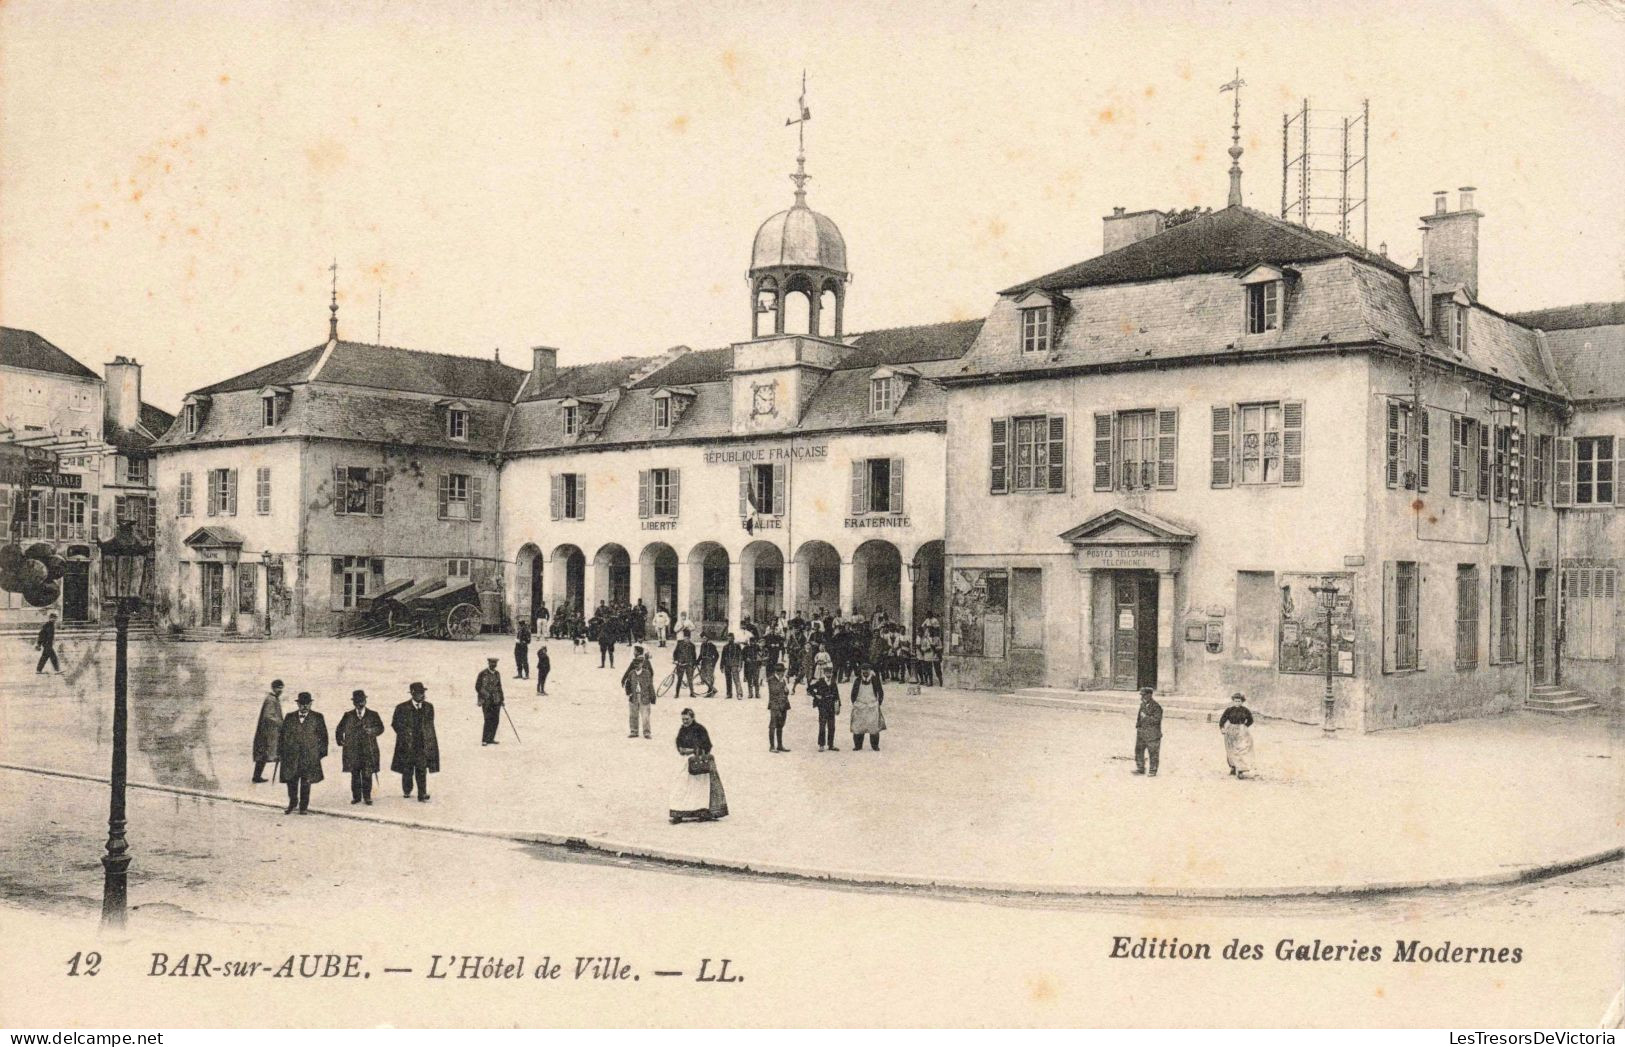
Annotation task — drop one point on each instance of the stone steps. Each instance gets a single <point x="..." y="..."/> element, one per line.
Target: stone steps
<point x="1177" y="707"/>
<point x="1559" y="701"/>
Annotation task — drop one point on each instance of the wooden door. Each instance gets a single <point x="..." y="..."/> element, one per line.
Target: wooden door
<point x="214" y="578"/>
<point x="1125" y="630"/>
<point x="1540" y="634"/>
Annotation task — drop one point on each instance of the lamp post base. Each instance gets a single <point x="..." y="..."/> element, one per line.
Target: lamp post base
<point x="115" y="889"/>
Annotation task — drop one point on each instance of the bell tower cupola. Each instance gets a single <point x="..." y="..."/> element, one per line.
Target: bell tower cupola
<point x="798" y="272"/>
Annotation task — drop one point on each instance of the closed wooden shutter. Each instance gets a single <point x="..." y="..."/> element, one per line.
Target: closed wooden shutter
<point x="1390" y="626"/>
<point x="1455" y="455"/>
<point x="476" y="497"/>
<point x="1057" y="452"/>
<point x="1563" y="473"/>
<point x="231" y="492"/>
<point x="676" y="490"/>
<point x="1167" y="448"/>
<point x="860" y="487"/>
<point x="556" y="503"/>
<point x="643" y="494"/>
<point x="1391" y="477"/>
<point x="95" y="518"/>
<point x="744" y="491"/>
<point x="999" y="457"/>
<point x="780" y="505"/>
<point x="375" y="584"/>
<point x="375" y="492"/>
<point x="338" y="583"/>
<point x="897" y="485"/>
<point x="445" y="496"/>
<point x="1292" y="443"/>
<point x="580" y="481"/>
<point x="341" y="489"/>
<point x="1104" y="441"/>
<point x="1483" y="460"/>
<point x="1423" y="451"/>
<point x="1220" y="473"/>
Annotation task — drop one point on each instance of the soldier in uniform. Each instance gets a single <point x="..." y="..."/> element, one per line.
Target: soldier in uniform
<point x="544" y="665"/>
<point x="752" y="658"/>
<point x="269" y="730"/>
<point x="1147" y="733"/>
<point x="521" y="652"/>
<point x="708" y="667"/>
<point x="778" y="708"/>
<point x="301" y="747"/>
<point x="827" y="700"/>
<point x="682" y="657"/>
<point x="488" y="696"/>
<point x="417" y="749"/>
<point x="357" y="735"/>
<point x="733" y="657"/>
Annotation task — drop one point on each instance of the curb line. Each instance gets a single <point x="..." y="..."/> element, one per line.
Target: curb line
<point x="1529" y="873"/>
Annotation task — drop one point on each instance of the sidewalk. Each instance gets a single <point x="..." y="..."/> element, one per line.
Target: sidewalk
<point x="966" y="791"/>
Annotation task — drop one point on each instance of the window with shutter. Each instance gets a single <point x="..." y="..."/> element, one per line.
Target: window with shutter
<point x="860" y="487"/>
<point x="341" y="489"/>
<point x="1466" y="616"/>
<point x="676" y="491"/>
<point x="896" y="485"/>
<point x="1057" y="453"/>
<point x="1292" y="437"/>
<point x="1219" y="474"/>
<point x="444" y="491"/>
<point x="556" y="502"/>
<point x="1136" y="450"/>
<point x="1103" y="450"/>
<point x="580" y="487"/>
<point x="643" y="494"/>
<point x="745" y="492"/>
<point x="337" y="589"/>
<point x="998" y="458"/>
<point x="1457" y="423"/>
<point x="1563" y="471"/>
<point x="1167" y="448"/>
<point x="1483" y="459"/>
<point x="476" y="497"/>
<point x="1396" y="444"/>
<point x="1594" y="470"/>
<point x="779" y="504"/>
<point x="375" y="492"/>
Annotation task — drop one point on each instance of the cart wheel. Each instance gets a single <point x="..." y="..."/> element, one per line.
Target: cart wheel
<point x="463" y="622"/>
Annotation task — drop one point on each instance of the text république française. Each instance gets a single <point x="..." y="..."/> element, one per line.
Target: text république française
<point x="1293" y="950"/>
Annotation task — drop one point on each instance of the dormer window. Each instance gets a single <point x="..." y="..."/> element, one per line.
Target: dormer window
<point x="572" y="419"/>
<point x="1450" y="321"/>
<point x="1264" y="307"/>
<point x="1037" y="322"/>
<point x="274" y="402"/>
<point x="457" y="423"/>
<point x="662" y="411"/>
<point x="882" y="395"/>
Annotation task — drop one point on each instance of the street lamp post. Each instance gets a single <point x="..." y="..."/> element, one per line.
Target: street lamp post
<point x="124" y="570"/>
<point x="266" y="560"/>
<point x="1326" y="592"/>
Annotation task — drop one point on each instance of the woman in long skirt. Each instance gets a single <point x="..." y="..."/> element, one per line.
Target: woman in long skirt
<point x="1236" y="724"/>
<point x="696" y="797"/>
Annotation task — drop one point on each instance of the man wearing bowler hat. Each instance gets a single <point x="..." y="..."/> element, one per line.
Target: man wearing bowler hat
<point x="1147" y="733"/>
<point x="488" y="696"/>
<point x="417" y="749"/>
<point x="357" y="736"/>
<point x="302" y="747"/>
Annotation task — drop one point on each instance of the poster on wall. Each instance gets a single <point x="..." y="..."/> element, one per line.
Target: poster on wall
<point x="1303" y="624"/>
<point x="978" y="613"/>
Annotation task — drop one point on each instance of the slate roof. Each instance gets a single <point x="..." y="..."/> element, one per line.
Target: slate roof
<point x="912" y="345"/>
<point x="1569" y="317"/>
<point x="695" y="367"/>
<point x="418" y="371"/>
<point x="154" y="420"/>
<point x="1591" y="360"/>
<point x="1224" y="241"/>
<point x="592" y="379"/>
<point x="289" y="370"/>
<point x="31" y="352"/>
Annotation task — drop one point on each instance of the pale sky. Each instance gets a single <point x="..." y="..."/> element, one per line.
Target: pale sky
<point x="176" y="178"/>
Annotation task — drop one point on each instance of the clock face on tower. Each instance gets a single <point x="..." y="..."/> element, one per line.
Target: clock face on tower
<point x="763" y="400"/>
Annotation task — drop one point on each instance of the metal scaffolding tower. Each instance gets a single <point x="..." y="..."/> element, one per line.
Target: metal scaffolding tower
<point x="1325" y="171"/>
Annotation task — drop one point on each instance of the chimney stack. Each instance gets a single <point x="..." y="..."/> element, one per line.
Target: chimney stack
<point x="1121" y="229"/>
<point x="544" y="363"/>
<point x="1452" y="243"/>
<point x="123" y="392"/>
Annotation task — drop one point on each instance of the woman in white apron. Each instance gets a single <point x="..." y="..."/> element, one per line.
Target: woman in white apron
<point x="696" y="797"/>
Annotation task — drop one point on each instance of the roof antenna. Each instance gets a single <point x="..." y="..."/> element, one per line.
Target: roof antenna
<point x="333" y="321"/>
<point x="498" y="353"/>
<point x="1235" y="140"/>
<point x="800" y="123"/>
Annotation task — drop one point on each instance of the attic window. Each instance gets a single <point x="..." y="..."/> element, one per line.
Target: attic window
<point x="1263" y="306"/>
<point x="572" y="420"/>
<point x="457" y="423"/>
<point x="193" y="416"/>
<point x="1036" y="324"/>
<point x="662" y="412"/>
<point x="1450" y="321"/>
<point x="273" y="407"/>
<point x="882" y="395"/>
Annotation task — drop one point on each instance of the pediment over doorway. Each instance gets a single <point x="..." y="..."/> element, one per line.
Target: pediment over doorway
<point x="1127" y="527"/>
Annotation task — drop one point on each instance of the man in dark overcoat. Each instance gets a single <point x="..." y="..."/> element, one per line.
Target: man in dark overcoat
<point x="357" y="735"/>
<point x="708" y="666"/>
<point x="268" y="731"/>
<point x="521" y="651"/>
<point x="417" y="749"/>
<point x="639" y="684"/>
<point x="1147" y="733"/>
<point x="682" y="659"/>
<point x="45" y="643"/>
<point x="301" y="748"/>
<point x="544" y="665"/>
<point x="733" y="662"/>
<point x="488" y="696"/>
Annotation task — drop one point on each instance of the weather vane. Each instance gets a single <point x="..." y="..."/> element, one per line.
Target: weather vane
<point x="800" y="123"/>
<point x="1235" y="140"/>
